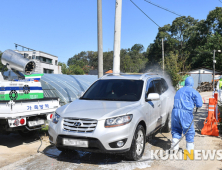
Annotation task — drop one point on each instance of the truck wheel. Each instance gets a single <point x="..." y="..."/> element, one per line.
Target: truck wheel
<point x="27" y="133"/>
<point x="138" y="144"/>
<point x="167" y="127"/>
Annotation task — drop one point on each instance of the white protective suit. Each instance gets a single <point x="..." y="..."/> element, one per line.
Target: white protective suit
<point x="219" y="91"/>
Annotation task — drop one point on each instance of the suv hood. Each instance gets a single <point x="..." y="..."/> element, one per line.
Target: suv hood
<point x="96" y="109"/>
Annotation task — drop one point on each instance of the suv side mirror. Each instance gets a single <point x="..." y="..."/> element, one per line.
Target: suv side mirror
<point x="153" y="96"/>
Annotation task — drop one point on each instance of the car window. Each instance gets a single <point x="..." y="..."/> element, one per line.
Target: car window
<point x="151" y="88"/>
<point x="164" y="85"/>
<point x="157" y="85"/>
<point x="115" y="90"/>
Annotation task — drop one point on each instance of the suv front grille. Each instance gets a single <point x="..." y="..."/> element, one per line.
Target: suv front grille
<point x="79" y="125"/>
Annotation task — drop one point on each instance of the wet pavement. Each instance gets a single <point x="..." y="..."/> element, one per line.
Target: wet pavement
<point x="52" y="158"/>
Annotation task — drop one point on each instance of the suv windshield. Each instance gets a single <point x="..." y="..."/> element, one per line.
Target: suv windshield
<point x="117" y="90"/>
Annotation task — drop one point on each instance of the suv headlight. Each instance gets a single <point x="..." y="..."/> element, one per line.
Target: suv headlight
<point x="118" y="121"/>
<point x="55" y="118"/>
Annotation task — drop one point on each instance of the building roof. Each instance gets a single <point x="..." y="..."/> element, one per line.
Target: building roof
<point x="35" y="51"/>
<point x="206" y="69"/>
<point x="48" y="54"/>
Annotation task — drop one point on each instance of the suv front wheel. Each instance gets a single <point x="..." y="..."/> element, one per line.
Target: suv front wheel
<point x="138" y="144"/>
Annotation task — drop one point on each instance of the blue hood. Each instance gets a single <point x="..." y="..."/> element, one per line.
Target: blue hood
<point x="189" y="81"/>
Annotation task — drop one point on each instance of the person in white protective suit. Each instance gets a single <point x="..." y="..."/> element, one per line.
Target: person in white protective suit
<point x="219" y="89"/>
<point x="182" y="114"/>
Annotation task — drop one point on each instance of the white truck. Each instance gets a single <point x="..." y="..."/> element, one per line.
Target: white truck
<point x="23" y="107"/>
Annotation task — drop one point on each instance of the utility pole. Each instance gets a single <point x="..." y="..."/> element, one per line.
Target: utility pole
<point x="214" y="67"/>
<point x="117" y="36"/>
<point x="214" y="61"/>
<point x="100" y="38"/>
<point x="163" y="54"/>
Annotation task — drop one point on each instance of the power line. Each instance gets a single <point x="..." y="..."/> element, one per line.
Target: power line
<point x="163" y="8"/>
<point x="220" y="1"/>
<point x="145" y="13"/>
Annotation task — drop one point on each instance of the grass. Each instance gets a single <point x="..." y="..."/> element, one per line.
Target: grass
<point x="44" y="131"/>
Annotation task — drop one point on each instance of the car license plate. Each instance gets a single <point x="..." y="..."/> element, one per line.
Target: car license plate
<point x="75" y="142"/>
<point x="36" y="123"/>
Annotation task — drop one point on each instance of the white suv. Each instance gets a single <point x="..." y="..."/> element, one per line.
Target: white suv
<point x="114" y="115"/>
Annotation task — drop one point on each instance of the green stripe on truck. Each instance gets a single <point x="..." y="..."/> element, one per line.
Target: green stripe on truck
<point x="22" y="96"/>
<point x="34" y="75"/>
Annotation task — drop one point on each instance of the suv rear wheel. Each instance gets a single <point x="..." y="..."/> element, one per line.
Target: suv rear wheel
<point x="138" y="144"/>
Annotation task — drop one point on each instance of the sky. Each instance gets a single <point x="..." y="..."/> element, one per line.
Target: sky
<point x="67" y="27"/>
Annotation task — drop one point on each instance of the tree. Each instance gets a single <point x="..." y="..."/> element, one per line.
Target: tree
<point x="82" y="56"/>
<point x="136" y="60"/>
<point x="64" y="68"/>
<point x="173" y="67"/>
<point x="76" y="70"/>
<point x="191" y="40"/>
<point x="86" y="69"/>
<point x="137" y="48"/>
<point x="214" y="20"/>
<point x="205" y="52"/>
<point x="107" y="60"/>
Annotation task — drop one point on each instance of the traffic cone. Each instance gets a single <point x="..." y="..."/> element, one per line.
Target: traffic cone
<point x="210" y="123"/>
<point x="216" y="111"/>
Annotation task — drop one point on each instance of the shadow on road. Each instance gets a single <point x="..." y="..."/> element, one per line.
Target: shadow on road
<point x="79" y="157"/>
<point x="160" y="141"/>
<point x="200" y="117"/>
<point x="14" y="139"/>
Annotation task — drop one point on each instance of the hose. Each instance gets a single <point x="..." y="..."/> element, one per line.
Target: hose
<point x="38" y="150"/>
<point x="40" y="144"/>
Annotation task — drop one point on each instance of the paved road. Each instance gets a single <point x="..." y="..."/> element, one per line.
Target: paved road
<point x="51" y="158"/>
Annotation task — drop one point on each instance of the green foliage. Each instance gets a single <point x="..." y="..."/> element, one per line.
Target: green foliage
<point x="137" y="48"/>
<point x="193" y="41"/>
<point x="205" y="52"/>
<point x="64" y="68"/>
<point x="44" y="130"/>
<point x="72" y="69"/>
<point x="214" y="20"/>
<point x="173" y="67"/>
<point x="86" y="69"/>
<point x="132" y="60"/>
<point x="75" y="69"/>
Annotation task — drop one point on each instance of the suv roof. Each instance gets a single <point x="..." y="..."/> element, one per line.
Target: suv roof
<point x="129" y="76"/>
